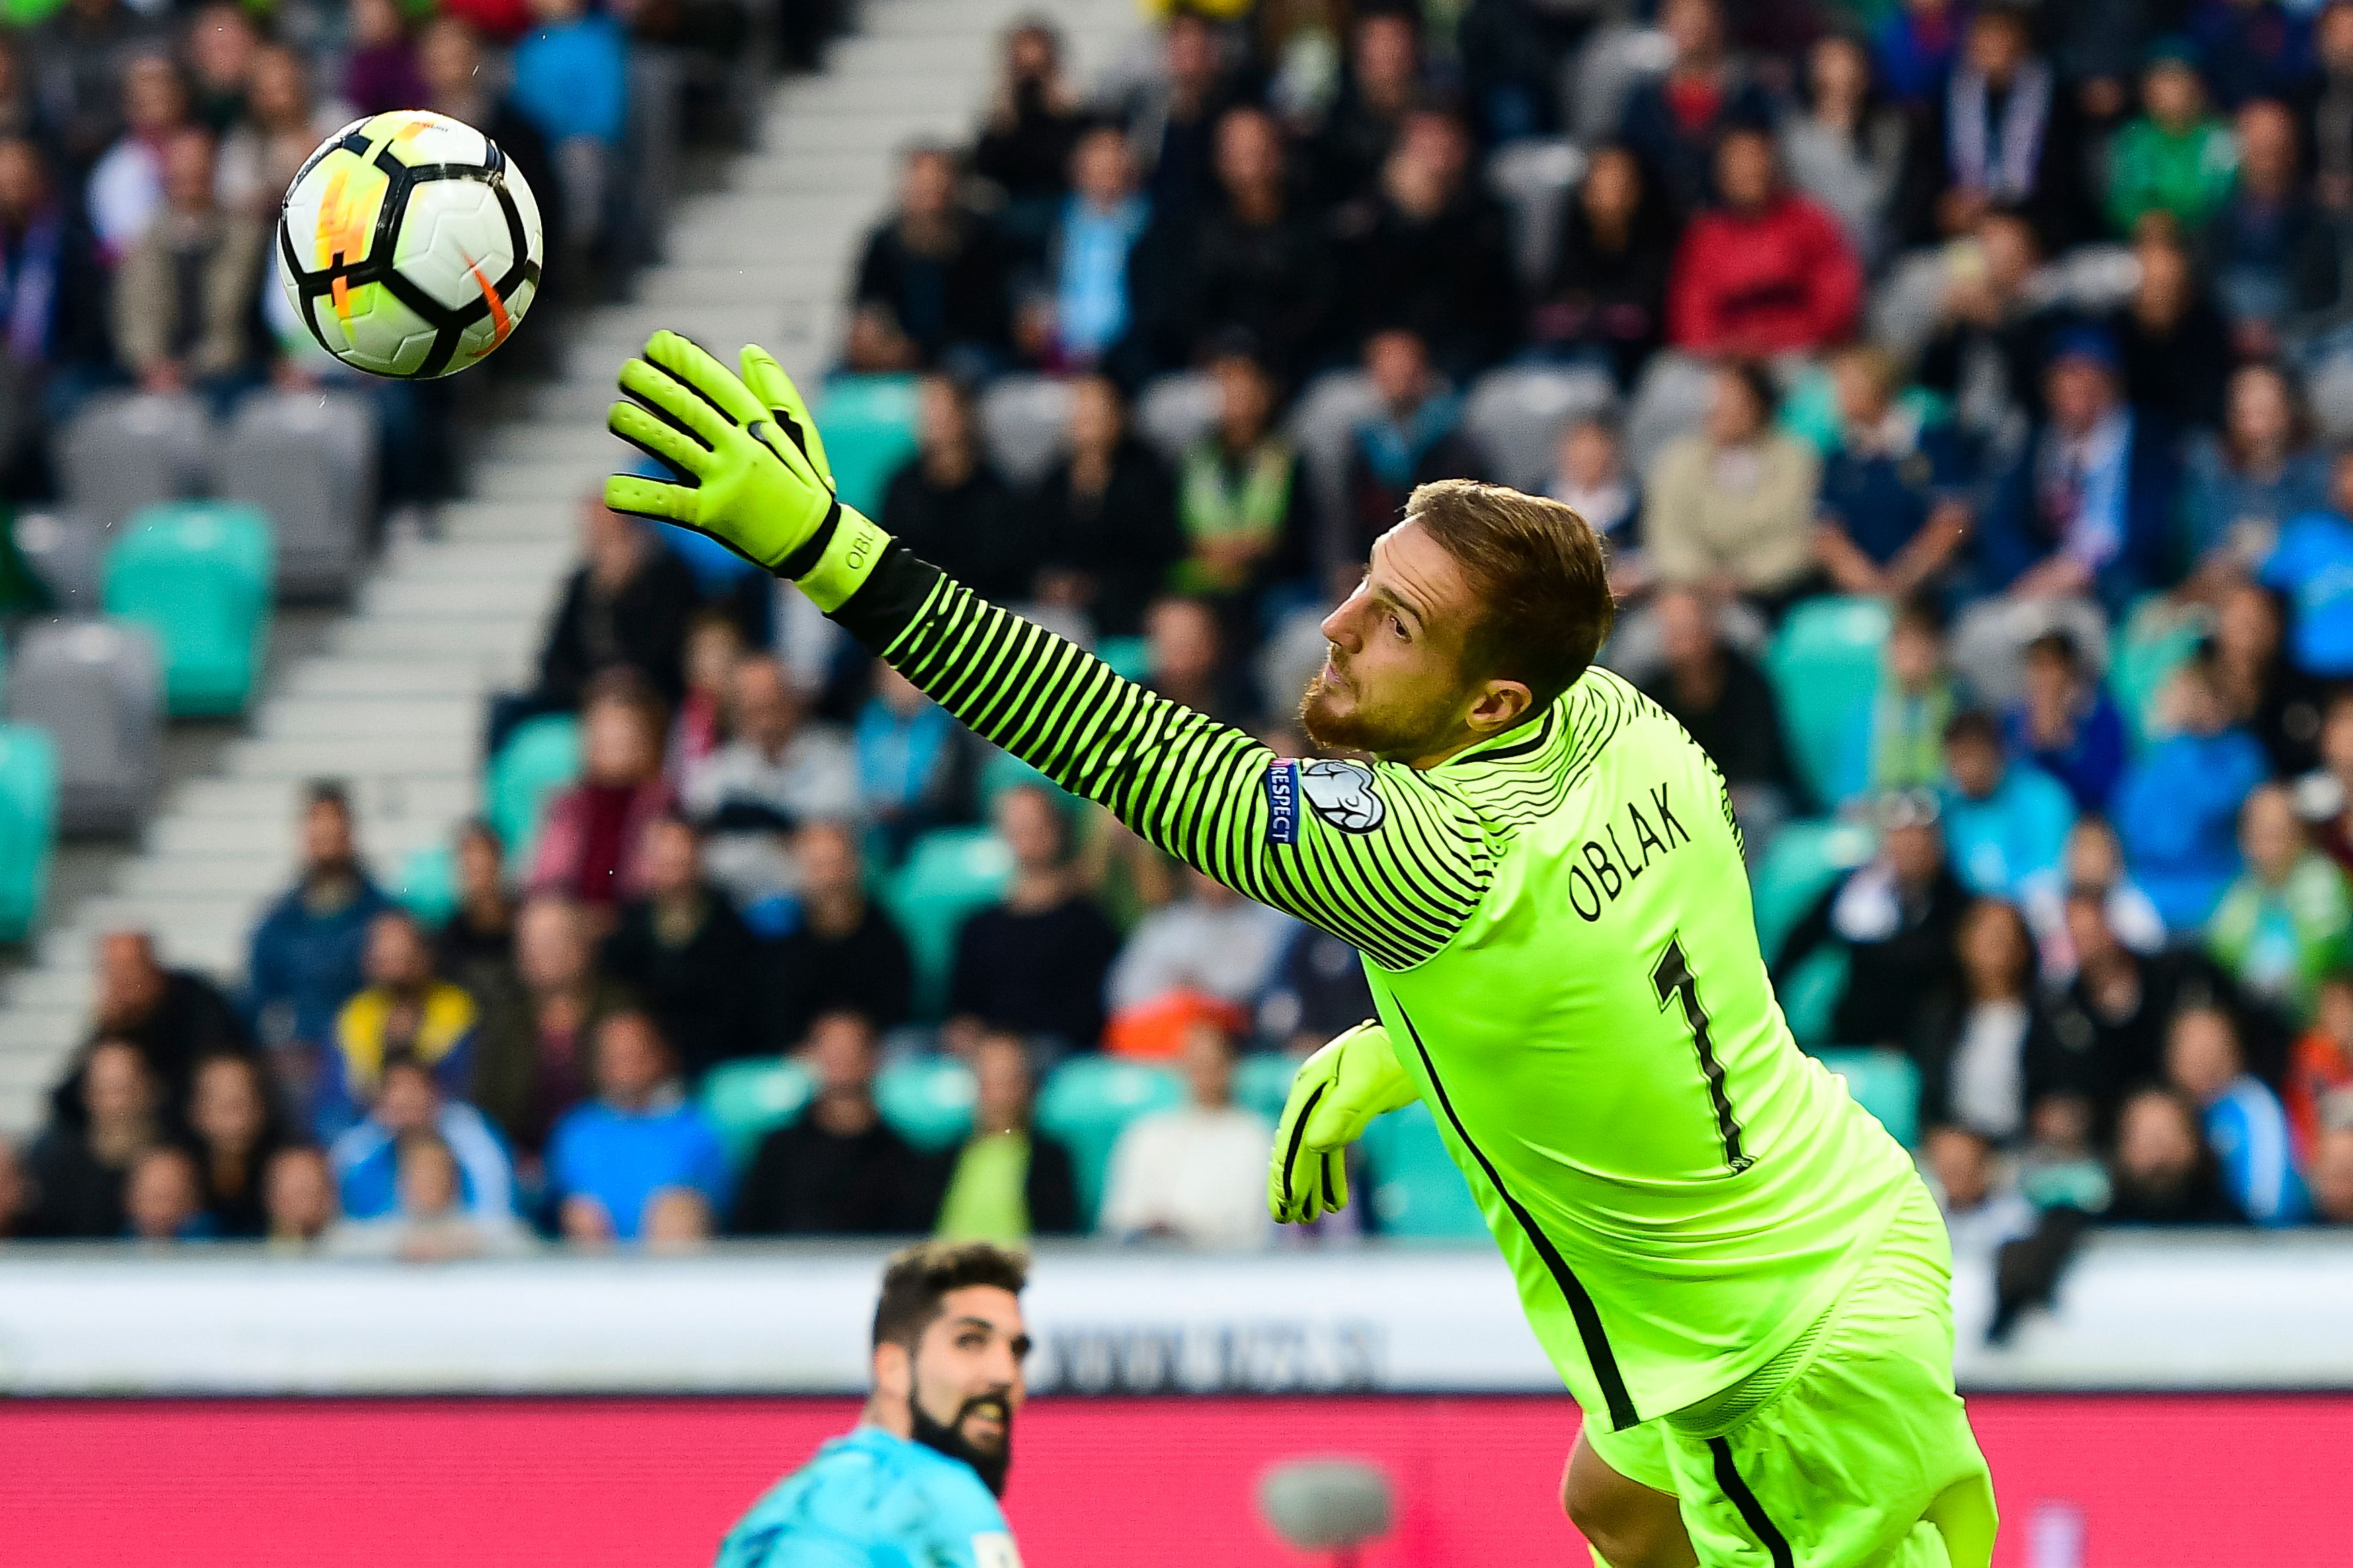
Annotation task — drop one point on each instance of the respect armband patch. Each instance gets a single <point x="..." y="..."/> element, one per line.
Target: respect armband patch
<point x="1282" y="785"/>
<point x="1339" y="792"/>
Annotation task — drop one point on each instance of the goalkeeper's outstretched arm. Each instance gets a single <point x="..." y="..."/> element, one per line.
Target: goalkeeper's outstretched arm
<point x="1371" y="853"/>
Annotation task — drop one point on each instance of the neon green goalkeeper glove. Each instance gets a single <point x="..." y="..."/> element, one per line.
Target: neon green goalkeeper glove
<point x="1335" y="1096"/>
<point x="756" y="477"/>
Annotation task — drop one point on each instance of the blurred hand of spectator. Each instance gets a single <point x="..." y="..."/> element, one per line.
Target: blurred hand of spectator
<point x="1195" y="1175"/>
<point x="837" y="1169"/>
<point x="1033" y="963"/>
<point x="639" y="1138"/>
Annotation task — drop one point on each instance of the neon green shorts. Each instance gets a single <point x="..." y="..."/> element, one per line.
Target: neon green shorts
<point x="1852" y="1453"/>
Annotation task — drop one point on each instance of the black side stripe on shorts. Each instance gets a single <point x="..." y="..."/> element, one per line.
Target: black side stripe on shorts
<point x="1752" y="1513"/>
<point x="1580" y="1305"/>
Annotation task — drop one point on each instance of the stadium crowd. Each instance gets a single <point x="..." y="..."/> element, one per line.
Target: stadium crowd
<point x="1998" y="319"/>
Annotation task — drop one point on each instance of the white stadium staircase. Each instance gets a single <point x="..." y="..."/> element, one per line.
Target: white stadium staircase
<point x="392" y="698"/>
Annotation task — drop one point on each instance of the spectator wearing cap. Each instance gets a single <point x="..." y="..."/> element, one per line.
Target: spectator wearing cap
<point x="405" y="1009"/>
<point x="1893" y="507"/>
<point x="1107" y="516"/>
<point x="612" y="1158"/>
<point x="2270" y="248"/>
<point x="2162" y="1172"/>
<point x="949" y="504"/>
<point x="684" y="950"/>
<point x="2176" y="158"/>
<point x="2242" y="1116"/>
<point x="2258" y="472"/>
<point x="1905" y="736"/>
<point x="1765" y="270"/>
<point x="1607" y="295"/>
<point x="308" y="952"/>
<point x="935" y="282"/>
<point x="1731" y="506"/>
<point x="1033" y="963"/>
<point x="1008" y="1181"/>
<point x="837" y="1169"/>
<point x="2086" y="509"/>
<point x="2001" y="132"/>
<point x="1674" y="121"/>
<point x="2066" y="724"/>
<point x="780" y="770"/>
<point x="408" y="1100"/>
<point x="2178" y="804"/>
<point x="2313" y="568"/>
<point x="2005" y="827"/>
<point x="1894" y="916"/>
<point x="2171" y="338"/>
<point x="1414" y="435"/>
<point x="838" y="950"/>
<point x="2287" y="919"/>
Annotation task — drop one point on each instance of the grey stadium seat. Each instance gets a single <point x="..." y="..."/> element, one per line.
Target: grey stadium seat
<point x="1516" y="416"/>
<point x="97" y="687"/>
<point x="1605" y="73"/>
<point x="1534" y="179"/>
<point x="308" y="459"/>
<point x="1024" y="423"/>
<point x="1323" y="423"/>
<point x="1671" y="399"/>
<point x="66" y="552"/>
<point x="127" y="450"/>
<point x="1175" y="411"/>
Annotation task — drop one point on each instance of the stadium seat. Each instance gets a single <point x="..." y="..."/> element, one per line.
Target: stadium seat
<point x="1004" y="770"/>
<point x="1175" y="411"/>
<point x="1516" y="416"/>
<point x="1263" y="1082"/>
<point x="653" y="141"/>
<point x="928" y="1100"/>
<point x="2157" y="641"/>
<point x="1416" y="1190"/>
<point x="869" y="431"/>
<point x="1533" y="178"/>
<point x="1884" y="1083"/>
<point x="65" y="551"/>
<point x="428" y="883"/>
<point x="28" y="827"/>
<point x="1824" y="664"/>
<point x="1605" y="73"/>
<point x="949" y="873"/>
<point x="308" y="462"/>
<point x="1088" y="1103"/>
<point x="125" y="452"/>
<point x="1130" y="658"/>
<point x="1671" y="399"/>
<point x="96" y="688"/>
<point x="748" y="1099"/>
<point x="1024" y="423"/>
<point x="1324" y="423"/>
<point x="197" y="575"/>
<point x="541" y="757"/>
<point x="1805" y="857"/>
<point x="1810" y="996"/>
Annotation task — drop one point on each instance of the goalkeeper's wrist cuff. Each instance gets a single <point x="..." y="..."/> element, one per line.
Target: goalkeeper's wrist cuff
<point x="846" y="549"/>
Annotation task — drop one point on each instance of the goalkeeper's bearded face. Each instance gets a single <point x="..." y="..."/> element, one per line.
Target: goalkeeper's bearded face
<point x="965" y="1380"/>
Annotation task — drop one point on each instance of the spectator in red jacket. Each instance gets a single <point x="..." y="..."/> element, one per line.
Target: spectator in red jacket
<point x="1766" y="271"/>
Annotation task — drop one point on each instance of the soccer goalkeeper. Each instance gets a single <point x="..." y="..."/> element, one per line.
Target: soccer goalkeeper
<point x="1735" y="1271"/>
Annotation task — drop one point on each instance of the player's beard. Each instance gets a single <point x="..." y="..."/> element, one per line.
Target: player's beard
<point x="1338" y="724"/>
<point x="990" y="1464"/>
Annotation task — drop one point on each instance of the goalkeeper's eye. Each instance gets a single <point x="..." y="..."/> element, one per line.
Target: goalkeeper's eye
<point x="1398" y="626"/>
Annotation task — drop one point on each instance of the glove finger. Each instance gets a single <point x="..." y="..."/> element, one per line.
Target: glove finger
<point x="1291" y="1135"/>
<point x="693" y="364"/>
<point x="655" y="437"/>
<point x="1336" y="1180"/>
<point x="655" y="499"/>
<point x="771" y="386"/>
<point x="673" y="399"/>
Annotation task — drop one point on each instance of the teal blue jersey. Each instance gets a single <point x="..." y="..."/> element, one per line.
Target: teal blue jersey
<point x="871" y="1500"/>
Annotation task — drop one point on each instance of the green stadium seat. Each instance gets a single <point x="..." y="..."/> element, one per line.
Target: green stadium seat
<point x="28" y="827"/>
<point x="1088" y="1103"/>
<point x="428" y="883"/>
<point x="2157" y="641"/>
<point x="1129" y="657"/>
<point x="1416" y="1190"/>
<point x="1004" y="770"/>
<point x="928" y="1100"/>
<point x="748" y="1099"/>
<point x="1884" y="1083"/>
<point x="1263" y="1082"/>
<point x="868" y="424"/>
<point x="1824" y="665"/>
<point x="949" y="873"/>
<point x="1811" y="994"/>
<point x="1804" y="860"/>
<point x="198" y="576"/>
<point x="541" y="757"/>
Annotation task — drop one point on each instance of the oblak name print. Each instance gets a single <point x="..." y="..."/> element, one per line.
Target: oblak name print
<point x="1616" y="859"/>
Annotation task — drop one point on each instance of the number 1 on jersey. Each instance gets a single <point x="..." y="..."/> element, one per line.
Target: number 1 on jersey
<point x="1673" y="980"/>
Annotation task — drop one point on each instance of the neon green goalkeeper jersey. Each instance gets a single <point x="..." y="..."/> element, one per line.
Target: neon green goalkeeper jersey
<point x="1558" y="931"/>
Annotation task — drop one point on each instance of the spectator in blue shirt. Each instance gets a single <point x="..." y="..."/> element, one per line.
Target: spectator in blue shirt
<point x="1892" y="516"/>
<point x="2312" y="566"/>
<point x="2178" y="809"/>
<point x="2243" y="1119"/>
<point x="2005" y="828"/>
<point x="1101" y="221"/>
<point x="571" y="82"/>
<point x="308" y="951"/>
<point x="366" y="1159"/>
<point x="2066" y="724"/>
<point x="636" y="1147"/>
<point x="2257" y="472"/>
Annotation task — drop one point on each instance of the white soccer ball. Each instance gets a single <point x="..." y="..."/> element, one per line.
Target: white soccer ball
<point x="410" y="244"/>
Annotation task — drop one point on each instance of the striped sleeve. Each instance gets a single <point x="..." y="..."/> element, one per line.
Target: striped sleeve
<point x="1370" y="853"/>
